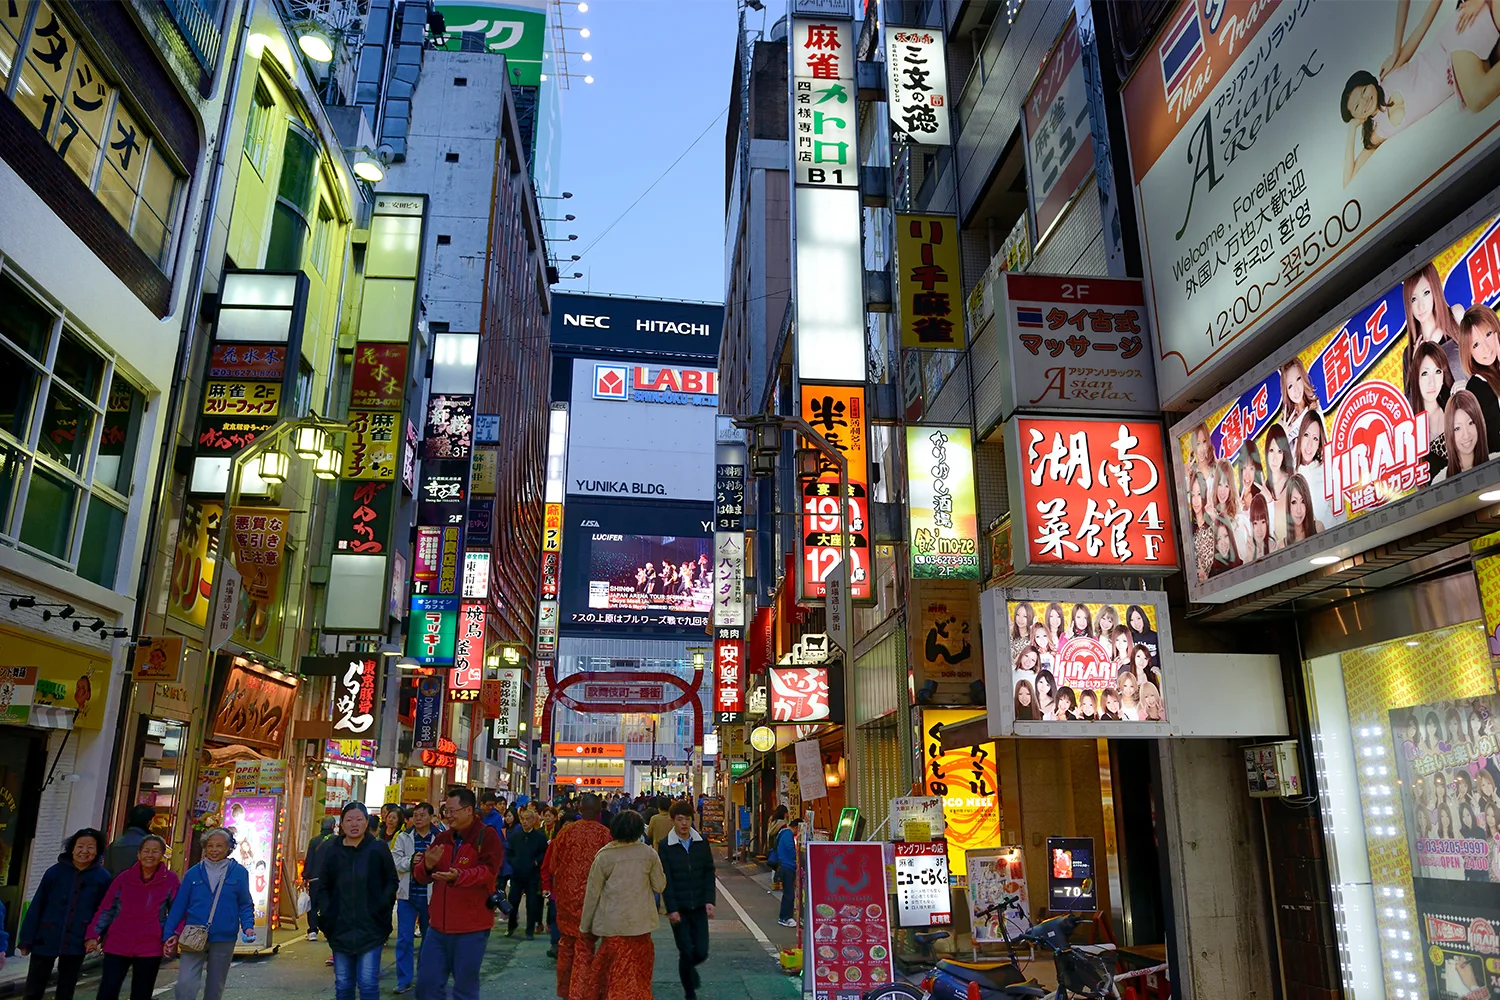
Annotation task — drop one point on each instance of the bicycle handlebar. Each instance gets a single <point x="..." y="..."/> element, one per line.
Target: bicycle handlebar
<point x="1006" y="902"/>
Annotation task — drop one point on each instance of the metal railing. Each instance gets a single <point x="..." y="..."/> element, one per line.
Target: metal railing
<point x="198" y="20"/>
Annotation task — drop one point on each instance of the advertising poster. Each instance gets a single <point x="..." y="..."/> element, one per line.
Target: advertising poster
<point x="449" y="433"/>
<point x="252" y="818"/>
<point x="257" y="542"/>
<point x="651" y="573"/>
<point x="158" y="658"/>
<point x="826" y="148"/>
<point x="506" y="727"/>
<point x="922" y="893"/>
<point x="258" y="362"/>
<point x="1365" y="415"/>
<point x="1086" y="662"/>
<point x="466" y="676"/>
<point x="1265" y="159"/>
<point x="915" y="818"/>
<point x="944" y="523"/>
<point x="948" y="620"/>
<point x="516" y="29"/>
<point x="1059" y="138"/>
<point x="1071" y="885"/>
<point x="848" y="919"/>
<point x="994" y="873"/>
<point x="967" y="782"/>
<point x="928" y="280"/>
<point x="1093" y="493"/>
<point x="837" y="414"/>
<point x="379" y="376"/>
<point x="729" y="579"/>
<point x="222" y="397"/>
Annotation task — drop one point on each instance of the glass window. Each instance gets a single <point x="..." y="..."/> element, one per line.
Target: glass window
<point x="23" y="320"/>
<point x="299" y="172"/>
<point x="260" y="131"/>
<point x="50" y="502"/>
<point x="122" y="422"/>
<point x="78" y="365"/>
<point x="99" y="560"/>
<point x="67" y="429"/>
<point x="288" y="234"/>
<point x="322" y="238"/>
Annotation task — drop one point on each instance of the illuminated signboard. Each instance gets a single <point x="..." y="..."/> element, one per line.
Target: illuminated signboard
<point x="837" y="414"/>
<point x="944" y="524"/>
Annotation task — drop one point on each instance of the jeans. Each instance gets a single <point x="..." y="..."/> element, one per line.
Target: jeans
<point x="40" y="970"/>
<point x="410" y="914"/>
<point x="691" y="935"/>
<point x="529" y="886"/>
<point x="455" y="955"/>
<point x="207" y="970"/>
<point x="362" y="970"/>
<point x="788" y="897"/>
<point x="142" y="976"/>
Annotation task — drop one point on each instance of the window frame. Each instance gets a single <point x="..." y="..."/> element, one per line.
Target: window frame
<point x="28" y="453"/>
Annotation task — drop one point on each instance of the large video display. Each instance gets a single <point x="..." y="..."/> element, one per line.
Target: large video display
<point x="632" y="567"/>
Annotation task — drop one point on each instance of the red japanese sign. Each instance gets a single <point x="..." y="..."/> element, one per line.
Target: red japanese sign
<point x="802" y="694"/>
<point x="379" y="376"/>
<point x="247" y="361"/>
<point x="848" y="918"/>
<point x="1075" y="344"/>
<point x="466" y="676"/>
<point x="1093" y="494"/>
<point x="729" y="674"/>
<point x="551" y="562"/>
<point x="490" y="699"/>
<point x="837" y="413"/>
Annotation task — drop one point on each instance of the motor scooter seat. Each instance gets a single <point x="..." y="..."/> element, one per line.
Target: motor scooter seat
<point x="987" y="975"/>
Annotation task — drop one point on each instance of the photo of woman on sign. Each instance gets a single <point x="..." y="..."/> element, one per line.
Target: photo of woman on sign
<point x="1412" y="83"/>
<point x="1278" y="471"/>
<point x="1479" y="348"/>
<point x="1466" y="434"/>
<point x="1429" y="384"/>
<point x="1429" y="318"/>
<point x="1311" y="442"/>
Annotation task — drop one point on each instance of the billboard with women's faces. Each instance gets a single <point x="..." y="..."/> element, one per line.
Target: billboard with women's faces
<point x="1083" y="662"/>
<point x="1402" y="395"/>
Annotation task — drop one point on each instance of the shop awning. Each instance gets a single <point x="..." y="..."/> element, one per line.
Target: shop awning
<point x="51" y="717"/>
<point x="962" y="735"/>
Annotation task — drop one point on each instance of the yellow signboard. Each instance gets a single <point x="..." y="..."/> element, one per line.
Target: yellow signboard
<point x="967" y="782"/>
<point x="370" y="446"/>
<point x="552" y="528"/>
<point x="927" y="276"/>
<point x="485" y="476"/>
<point x="226" y="397"/>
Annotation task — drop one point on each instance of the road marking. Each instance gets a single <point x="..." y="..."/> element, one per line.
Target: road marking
<point x="755" y="930"/>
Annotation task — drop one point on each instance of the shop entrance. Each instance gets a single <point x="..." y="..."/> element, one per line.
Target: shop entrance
<point x="23" y="761"/>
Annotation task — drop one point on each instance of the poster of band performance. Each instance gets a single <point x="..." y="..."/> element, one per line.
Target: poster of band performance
<point x="1404" y="394"/>
<point x="1448" y="765"/>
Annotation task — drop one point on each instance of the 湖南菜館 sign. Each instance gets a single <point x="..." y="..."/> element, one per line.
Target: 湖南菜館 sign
<point x="1373" y="410"/>
<point x="1093" y="494"/>
<point x="1270" y="147"/>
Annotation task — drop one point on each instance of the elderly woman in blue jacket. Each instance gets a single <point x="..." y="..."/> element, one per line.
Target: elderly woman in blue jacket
<point x="56" y="923"/>
<point x="215" y="893"/>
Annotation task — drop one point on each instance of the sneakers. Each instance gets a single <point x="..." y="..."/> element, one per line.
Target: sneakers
<point x="328" y="960"/>
<point x="403" y="989"/>
<point x="787" y="923"/>
<point x="312" y="935"/>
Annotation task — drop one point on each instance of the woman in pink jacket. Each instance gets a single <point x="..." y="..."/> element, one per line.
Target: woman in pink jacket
<point x="130" y="920"/>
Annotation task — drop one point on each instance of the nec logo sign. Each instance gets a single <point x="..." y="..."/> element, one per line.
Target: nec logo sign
<point x="583" y="319"/>
<point x="610" y="381"/>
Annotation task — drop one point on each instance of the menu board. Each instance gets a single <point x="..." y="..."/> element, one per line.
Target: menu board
<point x="848" y="919"/>
<point x="922" y="898"/>
<point x="1070" y="875"/>
<point x="994" y="873"/>
<point x="917" y="817"/>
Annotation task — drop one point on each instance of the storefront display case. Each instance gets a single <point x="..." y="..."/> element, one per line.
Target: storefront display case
<point x="159" y="771"/>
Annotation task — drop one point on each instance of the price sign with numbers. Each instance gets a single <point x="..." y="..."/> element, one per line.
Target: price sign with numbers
<point x="1070" y="875"/>
<point x="1059" y="139"/>
<point x="922" y="897"/>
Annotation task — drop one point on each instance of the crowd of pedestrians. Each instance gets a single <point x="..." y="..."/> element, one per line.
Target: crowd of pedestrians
<point x="597" y="873"/>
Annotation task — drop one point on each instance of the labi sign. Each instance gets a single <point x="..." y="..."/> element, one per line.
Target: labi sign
<point x="1403" y="395"/>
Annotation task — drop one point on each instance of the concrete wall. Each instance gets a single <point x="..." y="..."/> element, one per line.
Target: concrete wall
<point x="1217" y="862"/>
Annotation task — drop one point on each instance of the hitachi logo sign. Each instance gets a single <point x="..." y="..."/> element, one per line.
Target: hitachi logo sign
<point x="667" y="326"/>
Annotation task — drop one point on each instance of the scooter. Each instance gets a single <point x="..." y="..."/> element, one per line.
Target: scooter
<point x="954" y="979"/>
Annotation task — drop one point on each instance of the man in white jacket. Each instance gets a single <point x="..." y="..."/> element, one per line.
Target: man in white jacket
<point x="411" y="897"/>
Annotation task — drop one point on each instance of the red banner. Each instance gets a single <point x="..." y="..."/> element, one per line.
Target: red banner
<point x="729" y="674"/>
<point x="849" y="919"/>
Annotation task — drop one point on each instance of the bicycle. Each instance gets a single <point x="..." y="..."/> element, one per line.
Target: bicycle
<point x="955" y="979"/>
<point x="1082" y="972"/>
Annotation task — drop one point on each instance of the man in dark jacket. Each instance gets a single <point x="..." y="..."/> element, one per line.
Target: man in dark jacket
<point x="310" y="868"/>
<point x="525" y="847"/>
<point x="122" y="850"/>
<point x="689" y="896"/>
<point x="356" y="894"/>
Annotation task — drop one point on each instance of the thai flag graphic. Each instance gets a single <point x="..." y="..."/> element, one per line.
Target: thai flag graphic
<point x="1181" y="49"/>
<point x="1029" y="317"/>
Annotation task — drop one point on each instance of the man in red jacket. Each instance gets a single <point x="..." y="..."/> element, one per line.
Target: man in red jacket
<point x="461" y="866"/>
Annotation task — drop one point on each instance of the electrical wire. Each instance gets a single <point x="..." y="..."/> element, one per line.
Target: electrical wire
<point x="659" y="179"/>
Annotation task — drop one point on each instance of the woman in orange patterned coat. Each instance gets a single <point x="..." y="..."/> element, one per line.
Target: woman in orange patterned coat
<point x="619" y="908"/>
<point x="565" y="876"/>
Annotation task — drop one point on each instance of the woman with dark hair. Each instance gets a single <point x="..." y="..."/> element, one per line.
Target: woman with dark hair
<point x="1057" y="625"/>
<point x="130" y="921"/>
<point x="1416" y="80"/>
<point x="1429" y="319"/>
<point x="619" y="907"/>
<point x="1026" y="710"/>
<point x="356" y="894"/>
<point x="1466" y="433"/>
<point x="392" y="822"/>
<point x="1199" y="520"/>
<point x="1479" y="349"/>
<point x="1227" y="505"/>
<point x="1432" y="733"/>
<point x="199" y="904"/>
<point x="1252" y="476"/>
<point x="1140" y="629"/>
<point x="1144" y="665"/>
<point x="1310" y="445"/>
<point x="1262" y="543"/>
<point x="1301" y="521"/>
<point x="1066" y="707"/>
<point x="1226" y="553"/>
<point x="1046" y="694"/>
<point x="1429" y="384"/>
<point x="1280" y="464"/>
<point x="1083" y="622"/>
<point x="55" y="928"/>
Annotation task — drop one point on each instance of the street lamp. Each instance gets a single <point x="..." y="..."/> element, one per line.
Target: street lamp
<point x="765" y="444"/>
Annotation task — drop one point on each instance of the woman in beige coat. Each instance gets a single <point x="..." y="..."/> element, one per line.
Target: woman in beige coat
<point x="619" y="906"/>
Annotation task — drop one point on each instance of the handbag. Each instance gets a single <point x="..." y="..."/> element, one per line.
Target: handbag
<point x="194" y="937"/>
